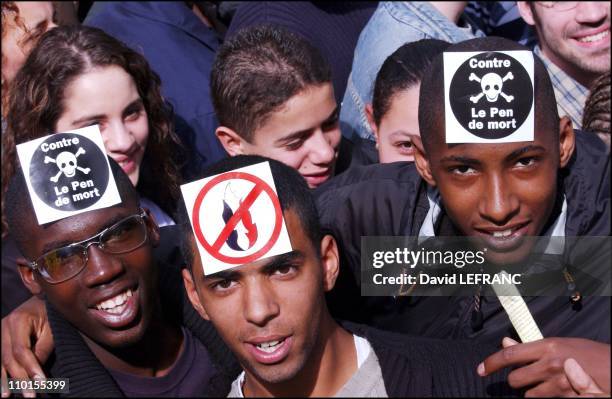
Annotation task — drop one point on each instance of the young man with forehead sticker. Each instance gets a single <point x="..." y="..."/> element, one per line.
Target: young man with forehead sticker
<point x="557" y="184"/>
<point x="272" y="313"/>
<point x="273" y="94"/>
<point x="113" y="324"/>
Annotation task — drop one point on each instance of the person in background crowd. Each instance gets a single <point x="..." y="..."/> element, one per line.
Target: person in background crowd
<point x="179" y="43"/>
<point x="23" y="22"/>
<point x="113" y="334"/>
<point x="574" y="43"/>
<point x="273" y="95"/>
<point x="596" y="118"/>
<point x="332" y="27"/>
<point x="393" y="114"/>
<point x="79" y="76"/>
<point x="495" y="191"/>
<point x="392" y="25"/>
<point x="501" y="18"/>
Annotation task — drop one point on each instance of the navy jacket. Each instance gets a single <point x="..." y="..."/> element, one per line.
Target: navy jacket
<point x="181" y="49"/>
<point x="390" y="200"/>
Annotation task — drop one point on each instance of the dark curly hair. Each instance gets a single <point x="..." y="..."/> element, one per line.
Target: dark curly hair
<point x="36" y="102"/>
<point x="596" y="117"/>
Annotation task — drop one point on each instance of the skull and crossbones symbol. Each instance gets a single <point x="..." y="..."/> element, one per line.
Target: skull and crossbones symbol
<point x="491" y="85"/>
<point x="67" y="164"/>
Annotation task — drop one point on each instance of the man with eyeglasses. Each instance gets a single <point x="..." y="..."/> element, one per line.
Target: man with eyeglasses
<point x="574" y="43"/>
<point x="111" y="309"/>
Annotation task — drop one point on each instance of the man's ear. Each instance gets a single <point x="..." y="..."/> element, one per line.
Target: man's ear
<point x="526" y="12"/>
<point x="230" y="140"/>
<point x="27" y="276"/>
<point x="421" y="162"/>
<point x="192" y="293"/>
<point x="330" y="261"/>
<point x="369" y="111"/>
<point x="154" y="236"/>
<point x="567" y="141"/>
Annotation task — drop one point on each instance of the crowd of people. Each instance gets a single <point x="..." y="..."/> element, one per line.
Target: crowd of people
<point x="346" y="101"/>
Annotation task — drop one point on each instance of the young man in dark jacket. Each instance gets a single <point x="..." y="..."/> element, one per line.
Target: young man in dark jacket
<point x="556" y="185"/>
<point x="272" y="314"/>
<point x="114" y="333"/>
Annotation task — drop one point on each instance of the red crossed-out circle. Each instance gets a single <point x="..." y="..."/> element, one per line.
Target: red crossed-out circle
<point x="260" y="186"/>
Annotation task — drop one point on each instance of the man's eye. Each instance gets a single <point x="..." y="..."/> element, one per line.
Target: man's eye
<point x="330" y="124"/>
<point x="294" y="145"/>
<point x="462" y="170"/>
<point x="223" y="285"/>
<point x="284" y="270"/>
<point x="527" y="161"/>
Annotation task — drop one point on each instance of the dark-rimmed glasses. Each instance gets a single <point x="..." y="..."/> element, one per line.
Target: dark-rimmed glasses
<point x="63" y="263"/>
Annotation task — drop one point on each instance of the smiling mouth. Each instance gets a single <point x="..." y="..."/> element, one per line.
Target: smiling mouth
<point x="117" y="304"/>
<point x="594" y="38"/>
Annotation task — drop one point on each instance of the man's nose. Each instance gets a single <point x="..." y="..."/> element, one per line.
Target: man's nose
<point x="260" y="304"/>
<point x="320" y="149"/>
<point x="101" y="267"/>
<point x="499" y="203"/>
<point x="589" y="12"/>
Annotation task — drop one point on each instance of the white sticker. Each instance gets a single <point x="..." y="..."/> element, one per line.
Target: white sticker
<point x="68" y="173"/>
<point x="236" y="217"/>
<point x="488" y="96"/>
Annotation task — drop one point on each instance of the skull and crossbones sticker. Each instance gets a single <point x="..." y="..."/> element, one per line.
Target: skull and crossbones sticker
<point x="488" y="96"/>
<point x="491" y="85"/>
<point x="68" y="173"/>
<point x="67" y="164"/>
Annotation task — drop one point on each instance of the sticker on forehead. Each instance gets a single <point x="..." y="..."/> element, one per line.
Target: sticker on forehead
<point x="67" y="174"/>
<point x="236" y="217"/>
<point x="488" y="96"/>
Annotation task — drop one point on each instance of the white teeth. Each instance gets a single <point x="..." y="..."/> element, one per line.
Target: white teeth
<point x="268" y="347"/>
<point x="594" y="38"/>
<point x="504" y="233"/>
<point x="112" y="305"/>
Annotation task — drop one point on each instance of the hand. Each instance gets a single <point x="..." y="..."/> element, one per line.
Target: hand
<point x="25" y="326"/>
<point x="541" y="364"/>
<point x="582" y="383"/>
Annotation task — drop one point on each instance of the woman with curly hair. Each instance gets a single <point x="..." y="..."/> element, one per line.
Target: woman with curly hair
<point x="79" y="76"/>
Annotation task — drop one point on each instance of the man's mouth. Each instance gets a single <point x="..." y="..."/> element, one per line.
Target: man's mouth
<point x="317" y="179"/>
<point x="503" y="239"/>
<point x="116" y="304"/>
<point x="269" y="347"/>
<point x="270" y="351"/>
<point x="594" y="38"/>
<point x="118" y="311"/>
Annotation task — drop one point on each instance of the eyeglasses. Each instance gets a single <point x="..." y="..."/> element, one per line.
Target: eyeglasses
<point x="559" y="5"/>
<point x="62" y="264"/>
